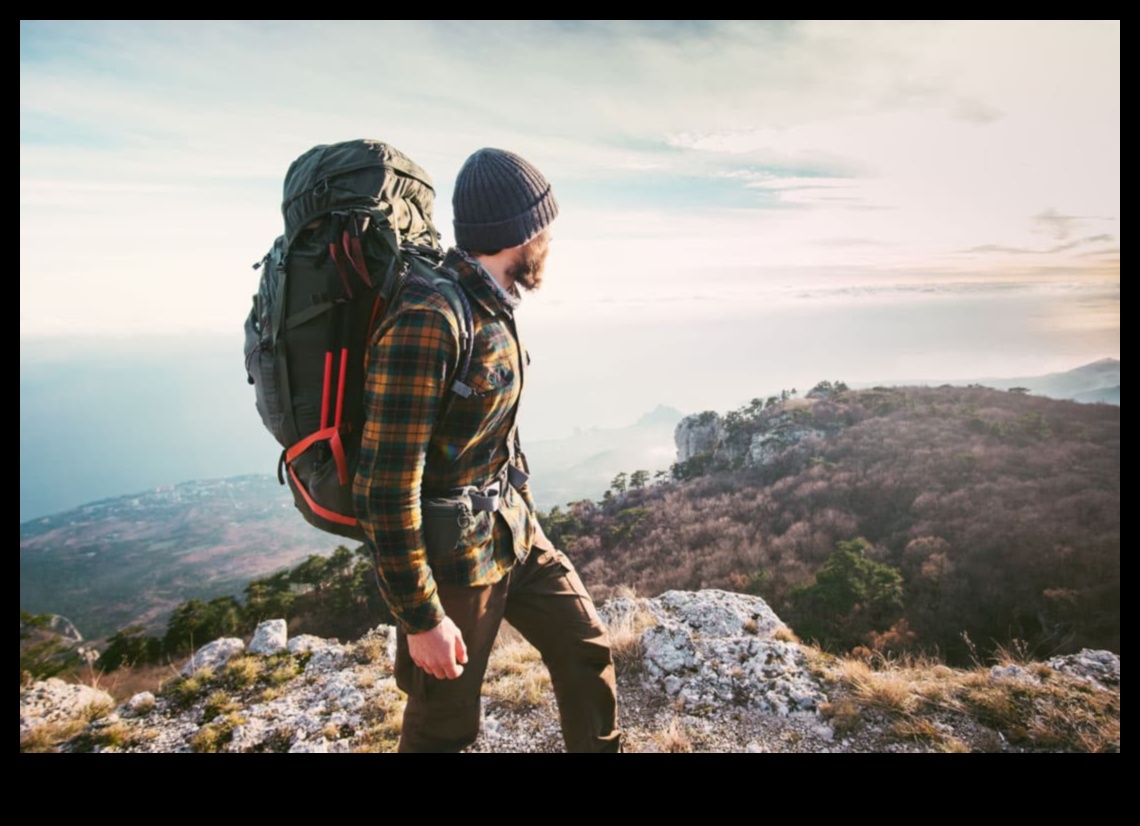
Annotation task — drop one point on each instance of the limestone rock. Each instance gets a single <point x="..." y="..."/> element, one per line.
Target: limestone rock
<point x="270" y="637"/>
<point x="141" y="703"/>
<point x="54" y="701"/>
<point x="698" y="435"/>
<point x="714" y="647"/>
<point x="213" y="655"/>
<point x="1101" y="667"/>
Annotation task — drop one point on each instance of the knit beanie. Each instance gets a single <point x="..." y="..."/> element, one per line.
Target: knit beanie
<point x="500" y="201"/>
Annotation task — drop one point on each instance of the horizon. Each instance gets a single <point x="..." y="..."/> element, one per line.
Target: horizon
<point x="745" y="207"/>
<point x="52" y="435"/>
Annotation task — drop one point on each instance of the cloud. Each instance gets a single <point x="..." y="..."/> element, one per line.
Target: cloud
<point x="1103" y="238"/>
<point x="691" y="146"/>
<point x="976" y="111"/>
<point x="1054" y="224"/>
<point x="850" y="242"/>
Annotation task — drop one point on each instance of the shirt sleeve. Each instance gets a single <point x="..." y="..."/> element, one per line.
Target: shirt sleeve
<point x="405" y="382"/>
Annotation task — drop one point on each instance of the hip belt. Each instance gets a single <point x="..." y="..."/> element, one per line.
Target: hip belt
<point x="447" y="517"/>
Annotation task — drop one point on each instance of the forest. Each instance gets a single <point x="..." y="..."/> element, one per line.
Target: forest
<point x="944" y="519"/>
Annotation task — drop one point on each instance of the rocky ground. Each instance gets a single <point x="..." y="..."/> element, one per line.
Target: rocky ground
<point x="698" y="672"/>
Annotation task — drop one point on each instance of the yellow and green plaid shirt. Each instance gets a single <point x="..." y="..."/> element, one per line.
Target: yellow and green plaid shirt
<point x="408" y="453"/>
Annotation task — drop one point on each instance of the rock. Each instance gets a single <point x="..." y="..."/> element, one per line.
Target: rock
<point x="141" y="704"/>
<point x="698" y="435"/>
<point x="716" y="666"/>
<point x="213" y="655"/>
<point x="250" y="735"/>
<point x="306" y="642"/>
<point x="765" y="446"/>
<point x="1011" y="671"/>
<point x="714" y="648"/>
<point x="1100" y="667"/>
<point x="53" y="701"/>
<point x="270" y="637"/>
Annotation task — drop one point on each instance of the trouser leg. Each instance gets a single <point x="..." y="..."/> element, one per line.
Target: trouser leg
<point x="549" y="606"/>
<point x="444" y="715"/>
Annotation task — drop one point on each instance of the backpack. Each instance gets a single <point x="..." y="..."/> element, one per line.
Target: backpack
<point x="358" y="225"/>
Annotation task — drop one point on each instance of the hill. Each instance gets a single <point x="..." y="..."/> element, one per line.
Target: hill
<point x="892" y="518"/>
<point x="132" y="559"/>
<point x="1097" y="381"/>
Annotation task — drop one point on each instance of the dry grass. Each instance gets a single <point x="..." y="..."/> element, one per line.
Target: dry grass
<point x="844" y="715"/>
<point x="370" y="651"/>
<point x="383" y="717"/>
<point x="785" y="634"/>
<point x="624" y="591"/>
<point x="214" y="737"/>
<point x="1060" y="714"/>
<point x="124" y="683"/>
<point x="625" y="640"/>
<point x="516" y="676"/>
<point x="219" y="704"/>
<point x="48" y="737"/>
<point x="115" y="735"/>
<point x="282" y="669"/>
<point x="243" y="671"/>
<point x="673" y="739"/>
<point x="45" y="739"/>
<point x="1042" y="710"/>
<point x="185" y="691"/>
<point x="952" y="745"/>
<point x="239" y="676"/>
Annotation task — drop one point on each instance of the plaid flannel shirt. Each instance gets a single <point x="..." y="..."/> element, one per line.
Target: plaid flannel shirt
<point x="407" y="452"/>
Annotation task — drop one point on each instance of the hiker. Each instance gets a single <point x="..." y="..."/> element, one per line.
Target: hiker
<point x="442" y="492"/>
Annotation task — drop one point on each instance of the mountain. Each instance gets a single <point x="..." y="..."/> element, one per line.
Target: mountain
<point x="583" y="465"/>
<point x="131" y="559"/>
<point x="892" y="518"/>
<point x="1098" y="381"/>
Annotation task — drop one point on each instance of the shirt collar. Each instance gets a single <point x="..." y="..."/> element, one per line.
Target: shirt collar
<point x="480" y="284"/>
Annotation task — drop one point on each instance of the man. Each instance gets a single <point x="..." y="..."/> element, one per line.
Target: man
<point x="442" y="488"/>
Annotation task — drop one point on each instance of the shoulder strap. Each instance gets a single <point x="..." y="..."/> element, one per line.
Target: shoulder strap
<point x="444" y="282"/>
<point x="449" y="288"/>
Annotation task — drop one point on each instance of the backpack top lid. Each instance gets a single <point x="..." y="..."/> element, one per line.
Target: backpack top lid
<point x="360" y="174"/>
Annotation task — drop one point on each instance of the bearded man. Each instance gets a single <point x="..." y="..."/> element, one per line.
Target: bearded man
<point x="442" y="486"/>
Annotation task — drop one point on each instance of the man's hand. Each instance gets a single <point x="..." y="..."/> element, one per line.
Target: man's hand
<point x="440" y="652"/>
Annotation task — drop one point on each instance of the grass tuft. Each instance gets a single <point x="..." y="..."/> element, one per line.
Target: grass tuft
<point x="214" y="737"/>
<point x="383" y="718"/>
<point x="674" y="738"/>
<point x="516" y="675"/>
<point x="625" y="640"/>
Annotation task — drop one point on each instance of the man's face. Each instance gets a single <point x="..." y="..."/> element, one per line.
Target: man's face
<point x="526" y="269"/>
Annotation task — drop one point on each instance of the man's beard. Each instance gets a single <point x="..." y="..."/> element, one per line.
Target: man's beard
<point x="527" y="268"/>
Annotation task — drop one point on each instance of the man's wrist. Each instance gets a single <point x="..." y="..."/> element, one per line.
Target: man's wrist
<point x="423" y="619"/>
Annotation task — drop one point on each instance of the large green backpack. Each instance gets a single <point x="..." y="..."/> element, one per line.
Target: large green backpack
<point x="358" y="225"/>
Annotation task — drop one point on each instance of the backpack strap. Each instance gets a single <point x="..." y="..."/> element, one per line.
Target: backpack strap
<point x="449" y="288"/>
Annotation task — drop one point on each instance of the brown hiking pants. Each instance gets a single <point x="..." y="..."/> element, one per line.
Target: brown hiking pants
<point x="545" y="600"/>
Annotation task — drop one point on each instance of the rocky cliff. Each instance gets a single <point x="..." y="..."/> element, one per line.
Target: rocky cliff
<point x="706" y="671"/>
<point x="743" y="439"/>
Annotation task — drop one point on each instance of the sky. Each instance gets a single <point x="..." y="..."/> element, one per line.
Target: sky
<point x="744" y="205"/>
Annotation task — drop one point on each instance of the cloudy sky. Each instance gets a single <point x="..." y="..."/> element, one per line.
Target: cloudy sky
<point x="798" y="200"/>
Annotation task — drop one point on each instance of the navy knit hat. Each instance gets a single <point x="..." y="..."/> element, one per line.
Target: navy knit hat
<point x="500" y="201"/>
